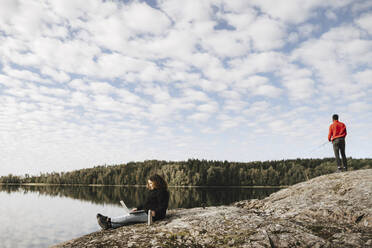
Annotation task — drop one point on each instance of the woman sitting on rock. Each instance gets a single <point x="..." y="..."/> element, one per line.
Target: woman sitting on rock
<point x="157" y="202"/>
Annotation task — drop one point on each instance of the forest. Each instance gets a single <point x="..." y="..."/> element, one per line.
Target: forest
<point x="195" y="172"/>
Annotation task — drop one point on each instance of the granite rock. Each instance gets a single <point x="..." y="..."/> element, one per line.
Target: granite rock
<point x="333" y="210"/>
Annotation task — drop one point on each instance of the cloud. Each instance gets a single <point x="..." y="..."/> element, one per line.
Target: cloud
<point x="103" y="102"/>
<point x="334" y="56"/>
<point x="24" y="75"/>
<point x="365" y="22"/>
<point x="160" y="111"/>
<point x="364" y="78"/>
<point x="191" y="11"/>
<point x="129" y="97"/>
<point x="240" y="18"/>
<point x="307" y="30"/>
<point x="23" y="20"/>
<point x="229" y="122"/>
<point x="256" y="108"/>
<point x="211" y="107"/>
<point x="70" y="57"/>
<point x="150" y="21"/>
<point x="223" y="43"/>
<point x="78" y="84"/>
<point x="72" y="10"/>
<point x="10" y="82"/>
<point x="331" y="15"/>
<point x="57" y="92"/>
<point x="253" y="81"/>
<point x="200" y="117"/>
<point x="105" y="30"/>
<point x="294" y="11"/>
<point x="8" y="9"/>
<point x="267" y="90"/>
<point x="357" y="107"/>
<point x="267" y="34"/>
<point x="80" y="99"/>
<point x="116" y="65"/>
<point x="264" y="62"/>
<point x="169" y="45"/>
<point x="59" y="76"/>
<point x="101" y="88"/>
<point x="361" y="6"/>
<point x="234" y="106"/>
<point x="279" y="126"/>
<point x="192" y="95"/>
<point x="300" y="88"/>
<point x="159" y="94"/>
<point x="258" y="85"/>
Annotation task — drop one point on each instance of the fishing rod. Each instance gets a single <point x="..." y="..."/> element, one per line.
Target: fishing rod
<point x="319" y="146"/>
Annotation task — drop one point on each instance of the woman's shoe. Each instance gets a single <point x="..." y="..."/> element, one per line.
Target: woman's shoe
<point x="103" y="221"/>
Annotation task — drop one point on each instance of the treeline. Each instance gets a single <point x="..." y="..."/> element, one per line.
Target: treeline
<point x="194" y="172"/>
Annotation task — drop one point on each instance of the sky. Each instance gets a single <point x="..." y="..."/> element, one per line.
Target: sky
<point x="90" y="82"/>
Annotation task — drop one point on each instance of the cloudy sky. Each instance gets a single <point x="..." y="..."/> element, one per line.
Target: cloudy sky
<point x="91" y="82"/>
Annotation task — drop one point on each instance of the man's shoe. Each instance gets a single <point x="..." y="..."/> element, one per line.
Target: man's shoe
<point x="103" y="221"/>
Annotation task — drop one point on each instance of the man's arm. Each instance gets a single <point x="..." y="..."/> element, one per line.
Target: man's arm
<point x="330" y="133"/>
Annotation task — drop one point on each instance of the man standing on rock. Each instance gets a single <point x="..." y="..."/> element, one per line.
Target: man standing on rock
<point x="337" y="134"/>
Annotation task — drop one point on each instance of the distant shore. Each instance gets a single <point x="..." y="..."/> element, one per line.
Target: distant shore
<point x="140" y="185"/>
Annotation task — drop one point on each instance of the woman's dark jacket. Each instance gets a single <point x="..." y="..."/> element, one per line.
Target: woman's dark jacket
<point x="157" y="200"/>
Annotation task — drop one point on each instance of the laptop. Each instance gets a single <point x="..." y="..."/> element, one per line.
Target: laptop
<point x="127" y="211"/>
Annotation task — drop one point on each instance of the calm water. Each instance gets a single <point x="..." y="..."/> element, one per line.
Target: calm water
<point x="40" y="216"/>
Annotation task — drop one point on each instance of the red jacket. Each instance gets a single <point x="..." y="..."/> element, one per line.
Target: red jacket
<point x="336" y="130"/>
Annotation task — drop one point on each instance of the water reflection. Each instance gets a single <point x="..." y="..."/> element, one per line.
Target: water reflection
<point x="133" y="196"/>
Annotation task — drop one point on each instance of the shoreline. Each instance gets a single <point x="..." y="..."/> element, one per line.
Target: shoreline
<point x="139" y="185"/>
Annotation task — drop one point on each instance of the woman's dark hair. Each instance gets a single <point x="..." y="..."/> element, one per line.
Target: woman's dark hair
<point x="159" y="182"/>
<point x="335" y="117"/>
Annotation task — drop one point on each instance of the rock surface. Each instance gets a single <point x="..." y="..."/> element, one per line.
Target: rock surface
<point x="329" y="211"/>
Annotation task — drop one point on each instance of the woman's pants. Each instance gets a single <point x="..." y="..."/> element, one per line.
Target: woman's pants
<point x="128" y="219"/>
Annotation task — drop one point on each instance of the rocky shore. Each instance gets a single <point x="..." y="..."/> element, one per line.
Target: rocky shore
<point x="333" y="210"/>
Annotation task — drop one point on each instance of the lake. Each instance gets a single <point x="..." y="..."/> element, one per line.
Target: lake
<point x="40" y="216"/>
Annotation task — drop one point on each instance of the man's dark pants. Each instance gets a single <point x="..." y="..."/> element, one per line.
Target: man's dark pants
<point x="339" y="147"/>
